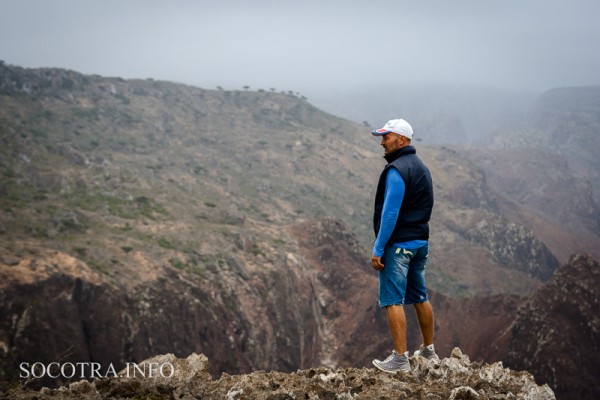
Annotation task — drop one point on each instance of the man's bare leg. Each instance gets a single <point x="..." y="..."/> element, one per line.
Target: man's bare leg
<point x="398" y="361"/>
<point x="426" y="321"/>
<point x="397" y="323"/>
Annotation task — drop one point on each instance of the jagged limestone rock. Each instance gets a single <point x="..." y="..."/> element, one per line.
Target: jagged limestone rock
<point x="455" y="378"/>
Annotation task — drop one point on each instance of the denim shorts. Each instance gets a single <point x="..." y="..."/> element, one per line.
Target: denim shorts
<point x="402" y="279"/>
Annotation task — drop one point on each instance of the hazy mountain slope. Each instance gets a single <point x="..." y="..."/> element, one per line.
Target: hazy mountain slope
<point x="550" y="168"/>
<point x="567" y="121"/>
<point x="440" y="113"/>
<point x="93" y="165"/>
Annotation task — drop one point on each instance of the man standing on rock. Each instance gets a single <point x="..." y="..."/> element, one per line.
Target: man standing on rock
<point x="403" y="205"/>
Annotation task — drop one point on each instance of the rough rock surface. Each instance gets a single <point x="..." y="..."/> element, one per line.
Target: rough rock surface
<point x="451" y="378"/>
<point x="558" y="331"/>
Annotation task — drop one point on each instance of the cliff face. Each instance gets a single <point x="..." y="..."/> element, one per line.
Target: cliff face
<point x="346" y="290"/>
<point x="320" y="304"/>
<point x="556" y="334"/>
<point x="56" y="307"/>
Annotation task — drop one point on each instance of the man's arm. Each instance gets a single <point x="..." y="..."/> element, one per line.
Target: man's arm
<point x="394" y="194"/>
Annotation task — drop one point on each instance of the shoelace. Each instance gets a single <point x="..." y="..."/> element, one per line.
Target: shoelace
<point x="390" y="358"/>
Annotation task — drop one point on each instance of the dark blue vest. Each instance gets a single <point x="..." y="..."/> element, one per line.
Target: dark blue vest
<point x="415" y="212"/>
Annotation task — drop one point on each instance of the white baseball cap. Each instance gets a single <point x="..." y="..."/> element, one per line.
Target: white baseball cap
<point x="399" y="126"/>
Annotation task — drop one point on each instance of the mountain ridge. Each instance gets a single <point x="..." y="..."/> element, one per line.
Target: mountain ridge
<point x="152" y="164"/>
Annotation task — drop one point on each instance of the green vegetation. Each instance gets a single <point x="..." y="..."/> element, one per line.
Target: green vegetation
<point x="116" y="206"/>
<point x="191" y="266"/>
<point x="257" y="250"/>
<point x="448" y="284"/>
<point x="9" y="173"/>
<point x="148" y="207"/>
<point x="38" y="133"/>
<point x="80" y="251"/>
<point x="15" y="200"/>
<point x="165" y="244"/>
<point x="97" y="267"/>
<point x="177" y="263"/>
<point x="126" y="227"/>
<point x="84" y="113"/>
<point x="39" y="232"/>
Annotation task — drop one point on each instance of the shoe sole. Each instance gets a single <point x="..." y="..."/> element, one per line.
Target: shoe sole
<point x="389" y="371"/>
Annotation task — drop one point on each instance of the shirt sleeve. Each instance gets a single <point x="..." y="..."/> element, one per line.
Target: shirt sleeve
<point x="394" y="194"/>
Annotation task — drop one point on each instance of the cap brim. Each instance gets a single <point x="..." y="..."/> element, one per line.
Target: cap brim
<point x="380" y="132"/>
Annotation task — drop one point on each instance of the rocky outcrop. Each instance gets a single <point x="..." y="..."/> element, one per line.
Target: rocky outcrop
<point x="514" y="245"/>
<point x="454" y="378"/>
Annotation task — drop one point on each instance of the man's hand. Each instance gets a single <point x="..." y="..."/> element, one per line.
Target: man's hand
<point x="376" y="263"/>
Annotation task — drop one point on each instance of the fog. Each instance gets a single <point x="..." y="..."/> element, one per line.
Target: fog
<point x="312" y="47"/>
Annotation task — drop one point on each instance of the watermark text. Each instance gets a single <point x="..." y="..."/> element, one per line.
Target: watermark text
<point x="85" y="370"/>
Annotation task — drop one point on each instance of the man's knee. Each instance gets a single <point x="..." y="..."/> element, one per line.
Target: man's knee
<point x="423" y="306"/>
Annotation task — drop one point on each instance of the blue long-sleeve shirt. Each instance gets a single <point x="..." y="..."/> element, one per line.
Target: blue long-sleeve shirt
<point x="394" y="195"/>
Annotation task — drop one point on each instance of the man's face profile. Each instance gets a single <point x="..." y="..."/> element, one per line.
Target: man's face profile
<point x="391" y="142"/>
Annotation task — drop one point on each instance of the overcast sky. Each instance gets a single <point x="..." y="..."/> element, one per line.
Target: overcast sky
<point x="310" y="45"/>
